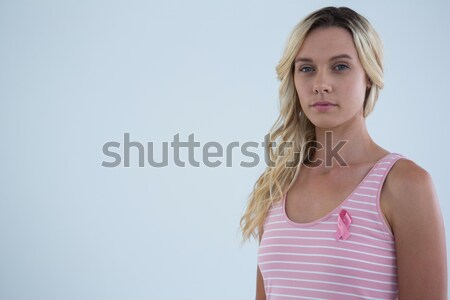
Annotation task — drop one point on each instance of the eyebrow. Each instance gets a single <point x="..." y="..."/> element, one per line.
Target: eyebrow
<point x="305" y="59"/>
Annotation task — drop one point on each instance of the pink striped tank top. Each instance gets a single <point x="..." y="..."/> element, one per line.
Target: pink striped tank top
<point x="347" y="254"/>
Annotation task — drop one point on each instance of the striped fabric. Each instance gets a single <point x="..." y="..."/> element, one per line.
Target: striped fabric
<point x="306" y="261"/>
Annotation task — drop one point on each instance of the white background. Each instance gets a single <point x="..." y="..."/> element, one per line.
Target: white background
<point x="77" y="74"/>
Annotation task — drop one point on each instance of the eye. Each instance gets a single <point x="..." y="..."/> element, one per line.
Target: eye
<point x="341" y="67"/>
<point x="306" y="69"/>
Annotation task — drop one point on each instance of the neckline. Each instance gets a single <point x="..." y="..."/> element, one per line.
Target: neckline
<point x="336" y="208"/>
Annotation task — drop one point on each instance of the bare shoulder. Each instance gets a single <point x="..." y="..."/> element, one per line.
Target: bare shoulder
<point x="418" y="227"/>
<point x="409" y="189"/>
<point x="406" y="177"/>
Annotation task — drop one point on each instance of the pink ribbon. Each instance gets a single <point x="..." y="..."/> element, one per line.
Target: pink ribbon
<point x="343" y="225"/>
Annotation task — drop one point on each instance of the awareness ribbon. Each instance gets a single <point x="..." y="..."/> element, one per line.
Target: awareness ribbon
<point x="343" y="225"/>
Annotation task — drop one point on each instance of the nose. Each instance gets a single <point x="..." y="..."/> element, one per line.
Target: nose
<point x="322" y="89"/>
<point x="321" y="85"/>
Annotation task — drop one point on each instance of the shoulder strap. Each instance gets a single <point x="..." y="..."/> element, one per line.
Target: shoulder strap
<point x="384" y="166"/>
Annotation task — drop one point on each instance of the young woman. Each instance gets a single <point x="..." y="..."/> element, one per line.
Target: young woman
<point x="338" y="216"/>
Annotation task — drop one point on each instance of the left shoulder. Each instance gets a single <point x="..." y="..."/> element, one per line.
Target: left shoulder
<point x="407" y="190"/>
<point x="418" y="228"/>
<point x="406" y="178"/>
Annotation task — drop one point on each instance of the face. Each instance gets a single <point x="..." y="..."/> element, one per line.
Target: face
<point x="329" y="78"/>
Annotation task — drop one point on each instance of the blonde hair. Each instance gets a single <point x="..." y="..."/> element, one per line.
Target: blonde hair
<point x="294" y="127"/>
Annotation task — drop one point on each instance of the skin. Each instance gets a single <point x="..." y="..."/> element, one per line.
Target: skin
<point x="408" y="198"/>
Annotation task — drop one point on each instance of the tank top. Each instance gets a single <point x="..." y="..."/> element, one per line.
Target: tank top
<point x="347" y="254"/>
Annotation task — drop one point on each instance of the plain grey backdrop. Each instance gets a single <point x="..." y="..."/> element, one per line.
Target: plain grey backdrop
<point x="75" y="75"/>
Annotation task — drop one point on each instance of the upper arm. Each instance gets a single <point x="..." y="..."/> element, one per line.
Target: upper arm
<point x="260" y="292"/>
<point x="419" y="233"/>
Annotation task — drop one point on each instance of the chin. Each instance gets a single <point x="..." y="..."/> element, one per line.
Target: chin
<point x="326" y="125"/>
<point x="324" y="122"/>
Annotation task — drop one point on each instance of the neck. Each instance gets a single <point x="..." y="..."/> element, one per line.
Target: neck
<point x="345" y="145"/>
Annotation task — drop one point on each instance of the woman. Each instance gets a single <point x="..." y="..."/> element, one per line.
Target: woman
<point x="338" y="216"/>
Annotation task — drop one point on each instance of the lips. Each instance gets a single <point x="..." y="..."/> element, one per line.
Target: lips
<point x="323" y="106"/>
<point x="323" y="103"/>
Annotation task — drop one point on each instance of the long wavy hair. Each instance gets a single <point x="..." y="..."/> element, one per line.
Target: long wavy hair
<point x="292" y="127"/>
